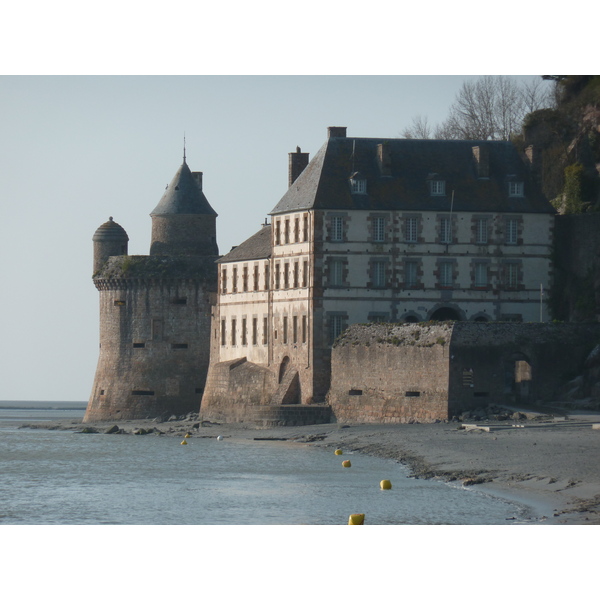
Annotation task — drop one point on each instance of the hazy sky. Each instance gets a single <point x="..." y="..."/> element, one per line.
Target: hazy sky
<point x="76" y="150"/>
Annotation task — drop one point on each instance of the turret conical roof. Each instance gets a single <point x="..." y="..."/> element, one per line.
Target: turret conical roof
<point x="183" y="196"/>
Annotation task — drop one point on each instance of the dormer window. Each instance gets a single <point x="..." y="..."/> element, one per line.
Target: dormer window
<point x="358" y="184"/>
<point x="515" y="189"/>
<point x="437" y="187"/>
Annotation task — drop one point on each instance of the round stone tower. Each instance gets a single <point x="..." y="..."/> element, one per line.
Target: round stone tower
<point x="109" y="240"/>
<point x="155" y="311"/>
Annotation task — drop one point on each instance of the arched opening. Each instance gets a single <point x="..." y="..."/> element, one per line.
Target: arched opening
<point x="411" y="319"/>
<point x="283" y="367"/>
<point x="518" y="377"/>
<point x="445" y="314"/>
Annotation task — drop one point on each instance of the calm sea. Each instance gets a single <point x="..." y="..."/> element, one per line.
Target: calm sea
<point x="62" y="477"/>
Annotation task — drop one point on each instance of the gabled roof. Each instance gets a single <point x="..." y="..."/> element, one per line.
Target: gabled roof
<point x="255" y="247"/>
<point x="183" y="196"/>
<point x="403" y="182"/>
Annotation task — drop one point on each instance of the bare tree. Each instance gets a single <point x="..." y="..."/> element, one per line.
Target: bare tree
<point x="419" y="129"/>
<point x="487" y="108"/>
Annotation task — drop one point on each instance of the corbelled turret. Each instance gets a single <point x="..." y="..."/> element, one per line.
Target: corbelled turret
<point x="110" y="239"/>
<point x="183" y="222"/>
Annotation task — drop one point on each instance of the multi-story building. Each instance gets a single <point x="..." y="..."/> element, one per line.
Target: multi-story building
<point x="378" y="230"/>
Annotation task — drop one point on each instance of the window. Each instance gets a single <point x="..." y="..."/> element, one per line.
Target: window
<point x="265" y="330"/>
<point x="446" y="274"/>
<point x="254" y="331"/>
<point x="336" y="272"/>
<point x="304" y="329"/>
<point x="233" y="332"/>
<point x="512" y="230"/>
<point x="337" y="229"/>
<point x="223" y="280"/>
<point x="244" y="332"/>
<point x="296" y="230"/>
<point x="378" y="274"/>
<point x="223" y="332"/>
<point x="512" y="275"/>
<point x="481" y="275"/>
<point x="245" y="279"/>
<point x="358" y="185"/>
<point x="287" y="231"/>
<point x="277" y="232"/>
<point x="515" y="188"/>
<point x="305" y="228"/>
<point x="410" y="273"/>
<point x="438" y="187"/>
<point x="277" y="275"/>
<point x="410" y="234"/>
<point x="295" y="329"/>
<point x="285" y="330"/>
<point x="296" y="274"/>
<point x="445" y="230"/>
<point x="379" y="229"/>
<point x="266" y="276"/>
<point x="305" y="274"/>
<point x="336" y="326"/>
<point x="481" y="231"/>
<point x="234" y="282"/>
<point x="286" y="275"/>
<point x="255" y="278"/>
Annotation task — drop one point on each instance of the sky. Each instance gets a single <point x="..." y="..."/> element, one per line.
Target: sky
<point x="95" y="106"/>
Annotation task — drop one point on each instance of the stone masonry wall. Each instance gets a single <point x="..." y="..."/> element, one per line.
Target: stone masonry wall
<point x="391" y="373"/>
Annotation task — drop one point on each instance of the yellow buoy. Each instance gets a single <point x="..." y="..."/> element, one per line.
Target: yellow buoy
<point x="184" y="443"/>
<point x="346" y="463"/>
<point x="338" y="452"/>
<point x="187" y="435"/>
<point x="357" y="519"/>
<point x="385" y="484"/>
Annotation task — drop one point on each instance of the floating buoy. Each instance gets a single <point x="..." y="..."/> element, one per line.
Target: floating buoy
<point x="219" y="437"/>
<point x="187" y="435"/>
<point x="357" y="519"/>
<point x="346" y="463"/>
<point x="338" y="452"/>
<point x="385" y="484"/>
<point x="184" y="443"/>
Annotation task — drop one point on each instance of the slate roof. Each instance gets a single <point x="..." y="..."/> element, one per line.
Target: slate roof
<point x="110" y="231"/>
<point x="255" y="247"/>
<point x="183" y="196"/>
<point x="324" y="184"/>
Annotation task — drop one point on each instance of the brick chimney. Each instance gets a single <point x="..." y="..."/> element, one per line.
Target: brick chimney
<point x="297" y="163"/>
<point x="533" y="157"/>
<point x="482" y="160"/>
<point x="336" y="132"/>
<point x="384" y="159"/>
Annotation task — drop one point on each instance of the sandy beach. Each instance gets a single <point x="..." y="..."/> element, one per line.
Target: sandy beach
<point x="551" y="463"/>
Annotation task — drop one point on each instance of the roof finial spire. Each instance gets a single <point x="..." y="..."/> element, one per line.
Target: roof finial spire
<point x="184" y="146"/>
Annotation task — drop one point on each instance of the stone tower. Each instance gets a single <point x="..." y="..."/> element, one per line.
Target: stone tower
<point x="155" y="310"/>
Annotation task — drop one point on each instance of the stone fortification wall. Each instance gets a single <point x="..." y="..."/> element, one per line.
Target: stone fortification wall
<point x="515" y="362"/>
<point x="391" y="373"/>
<point x="154" y="337"/>
<point x="234" y="387"/>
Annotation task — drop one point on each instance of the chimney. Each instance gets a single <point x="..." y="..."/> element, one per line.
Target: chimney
<point x="336" y="132"/>
<point x="533" y="157"/>
<point x="297" y="163"/>
<point x="384" y="159"/>
<point x="197" y="175"/>
<point x="482" y="159"/>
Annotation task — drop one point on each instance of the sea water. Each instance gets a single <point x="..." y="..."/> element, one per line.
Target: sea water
<point x="62" y="477"/>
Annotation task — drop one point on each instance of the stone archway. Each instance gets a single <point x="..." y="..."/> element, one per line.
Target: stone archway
<point x="445" y="313"/>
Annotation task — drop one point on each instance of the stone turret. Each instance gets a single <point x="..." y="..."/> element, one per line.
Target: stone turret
<point x="183" y="222"/>
<point x="155" y="311"/>
<point x="109" y="240"/>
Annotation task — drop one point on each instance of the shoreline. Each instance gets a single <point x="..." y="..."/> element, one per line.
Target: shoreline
<point x="550" y="465"/>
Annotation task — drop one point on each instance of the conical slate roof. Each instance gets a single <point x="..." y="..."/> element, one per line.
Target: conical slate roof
<point x="110" y="231"/>
<point x="183" y="196"/>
